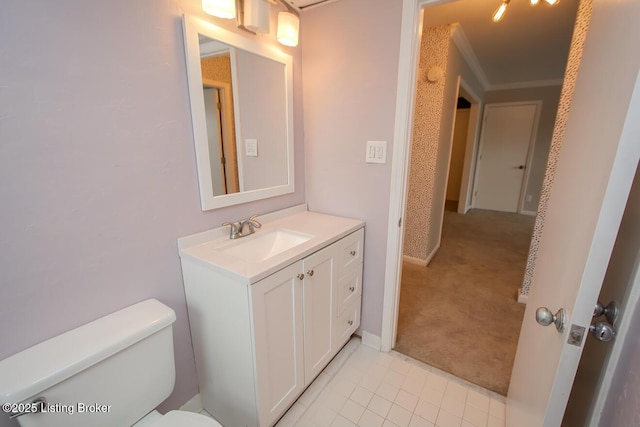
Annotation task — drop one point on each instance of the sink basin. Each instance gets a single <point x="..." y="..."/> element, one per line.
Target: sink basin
<point x="262" y="246"/>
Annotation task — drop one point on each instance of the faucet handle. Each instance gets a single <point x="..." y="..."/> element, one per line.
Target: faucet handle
<point x="233" y="233"/>
<point x="254" y="221"/>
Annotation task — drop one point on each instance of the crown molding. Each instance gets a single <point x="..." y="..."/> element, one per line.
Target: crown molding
<point x="462" y="42"/>
<point x="526" y="85"/>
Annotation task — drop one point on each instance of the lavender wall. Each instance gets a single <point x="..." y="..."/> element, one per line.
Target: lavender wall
<point x="97" y="167"/>
<point x="350" y="50"/>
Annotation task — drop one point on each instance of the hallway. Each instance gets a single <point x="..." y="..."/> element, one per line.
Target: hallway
<point x="460" y="313"/>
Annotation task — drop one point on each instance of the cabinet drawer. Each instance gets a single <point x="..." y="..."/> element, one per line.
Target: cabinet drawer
<point x="347" y="323"/>
<point x="350" y="288"/>
<point x="351" y="251"/>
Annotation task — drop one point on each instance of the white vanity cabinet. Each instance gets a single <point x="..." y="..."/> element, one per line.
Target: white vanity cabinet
<point x="293" y="318"/>
<point x="259" y="343"/>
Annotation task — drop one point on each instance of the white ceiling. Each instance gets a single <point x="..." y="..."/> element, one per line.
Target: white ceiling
<point x="530" y="44"/>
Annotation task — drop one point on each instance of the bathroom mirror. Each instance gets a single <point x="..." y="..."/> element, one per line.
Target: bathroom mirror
<point x="241" y="95"/>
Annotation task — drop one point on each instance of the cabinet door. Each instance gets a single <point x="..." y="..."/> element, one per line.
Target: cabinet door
<point x="320" y="278"/>
<point x="277" y="331"/>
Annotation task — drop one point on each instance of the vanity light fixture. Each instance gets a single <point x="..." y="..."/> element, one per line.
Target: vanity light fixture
<point x="253" y="16"/>
<point x="288" y="28"/>
<point x="256" y="16"/>
<point x="499" y="13"/>
<point x="221" y="8"/>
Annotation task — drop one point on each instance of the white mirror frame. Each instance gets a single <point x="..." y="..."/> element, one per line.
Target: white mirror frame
<point x="192" y="27"/>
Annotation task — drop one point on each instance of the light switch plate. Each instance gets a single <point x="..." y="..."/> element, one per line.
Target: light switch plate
<point x="251" y="147"/>
<point x="376" y="152"/>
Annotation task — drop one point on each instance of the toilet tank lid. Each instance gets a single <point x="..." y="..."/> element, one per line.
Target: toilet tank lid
<point x="37" y="368"/>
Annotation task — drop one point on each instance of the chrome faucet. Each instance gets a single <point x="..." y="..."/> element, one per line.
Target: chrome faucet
<point x="243" y="228"/>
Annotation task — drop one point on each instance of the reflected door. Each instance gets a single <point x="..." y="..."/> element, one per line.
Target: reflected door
<point x="214" y="135"/>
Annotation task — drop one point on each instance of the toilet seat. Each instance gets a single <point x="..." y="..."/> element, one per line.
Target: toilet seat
<point x="177" y="419"/>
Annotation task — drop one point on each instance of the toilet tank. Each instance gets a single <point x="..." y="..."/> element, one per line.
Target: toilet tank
<point x="110" y="372"/>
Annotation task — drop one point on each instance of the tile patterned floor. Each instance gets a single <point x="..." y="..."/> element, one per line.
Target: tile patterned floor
<point x="366" y="388"/>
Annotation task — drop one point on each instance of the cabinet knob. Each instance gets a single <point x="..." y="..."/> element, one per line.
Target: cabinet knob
<point x="352" y="288"/>
<point x="353" y="253"/>
<point x="350" y="322"/>
<point x="310" y="273"/>
<point x="300" y="276"/>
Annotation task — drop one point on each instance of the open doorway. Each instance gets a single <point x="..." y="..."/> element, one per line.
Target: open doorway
<point x="465" y="267"/>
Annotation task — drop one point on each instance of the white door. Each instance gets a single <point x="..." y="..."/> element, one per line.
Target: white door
<point x="507" y="134"/>
<point x="596" y="166"/>
<point x="214" y="136"/>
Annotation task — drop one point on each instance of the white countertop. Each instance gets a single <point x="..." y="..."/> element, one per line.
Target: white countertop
<point x="205" y="247"/>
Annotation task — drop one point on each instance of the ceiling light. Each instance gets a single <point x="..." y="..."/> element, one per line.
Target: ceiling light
<point x="288" y="28"/>
<point x="499" y="13"/>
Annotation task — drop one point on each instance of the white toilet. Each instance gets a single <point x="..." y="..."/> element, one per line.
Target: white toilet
<point x="111" y="372"/>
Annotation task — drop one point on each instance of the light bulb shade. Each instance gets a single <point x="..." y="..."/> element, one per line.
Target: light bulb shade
<point x="256" y="16"/>
<point x="497" y="16"/>
<point x="535" y="2"/>
<point x="288" y="27"/>
<point x="220" y="8"/>
<point x="552" y="2"/>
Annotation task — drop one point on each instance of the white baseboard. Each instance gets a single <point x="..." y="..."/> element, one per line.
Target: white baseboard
<point x="413" y="260"/>
<point x="433" y="253"/>
<point x="193" y="405"/>
<point x="420" y="261"/>
<point x="528" y="213"/>
<point x="522" y="298"/>
<point x="371" y="340"/>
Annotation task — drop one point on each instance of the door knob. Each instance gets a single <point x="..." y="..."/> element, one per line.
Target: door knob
<point x="519" y="167"/>
<point x="602" y="331"/>
<point x="545" y="317"/>
<point x="610" y="311"/>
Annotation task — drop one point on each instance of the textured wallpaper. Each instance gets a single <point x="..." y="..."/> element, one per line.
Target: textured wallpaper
<point x="217" y="68"/>
<point x="434" y="51"/>
<point x="573" y="64"/>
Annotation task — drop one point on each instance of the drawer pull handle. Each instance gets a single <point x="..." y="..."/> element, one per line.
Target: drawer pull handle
<point x="353" y="253"/>
<point x="352" y="288"/>
<point x="300" y="276"/>
<point x="350" y="322"/>
<point x="310" y="273"/>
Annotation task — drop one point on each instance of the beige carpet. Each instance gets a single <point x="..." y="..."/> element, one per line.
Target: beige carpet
<point x="460" y="313"/>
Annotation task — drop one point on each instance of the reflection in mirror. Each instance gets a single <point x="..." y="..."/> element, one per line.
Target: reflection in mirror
<point x="241" y="106"/>
<point x="218" y="106"/>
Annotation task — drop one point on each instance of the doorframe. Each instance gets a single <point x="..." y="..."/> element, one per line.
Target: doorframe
<point x="461" y="84"/>
<point x="471" y="149"/>
<point x="410" y="39"/>
<point x="532" y="142"/>
<point x="227" y="128"/>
